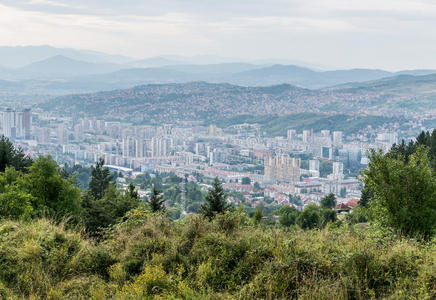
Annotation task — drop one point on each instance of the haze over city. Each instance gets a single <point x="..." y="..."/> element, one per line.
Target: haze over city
<point x="392" y="35"/>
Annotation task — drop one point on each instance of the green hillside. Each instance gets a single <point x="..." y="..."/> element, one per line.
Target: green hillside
<point x="275" y="125"/>
<point x="203" y="101"/>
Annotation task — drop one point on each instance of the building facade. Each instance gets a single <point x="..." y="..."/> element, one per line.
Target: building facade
<point x="282" y="168"/>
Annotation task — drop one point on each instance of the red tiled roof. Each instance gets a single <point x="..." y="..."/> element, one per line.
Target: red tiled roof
<point x="342" y="206"/>
<point x="353" y="202"/>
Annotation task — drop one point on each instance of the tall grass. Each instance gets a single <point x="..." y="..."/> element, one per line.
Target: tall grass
<point x="148" y="257"/>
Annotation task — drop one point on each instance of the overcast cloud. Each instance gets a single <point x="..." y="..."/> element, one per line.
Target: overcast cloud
<point x="390" y="34"/>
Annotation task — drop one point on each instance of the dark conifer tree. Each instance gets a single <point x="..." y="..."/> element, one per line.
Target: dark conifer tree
<point x="216" y="201"/>
<point x="100" y="180"/>
<point x="365" y="198"/>
<point x="12" y="157"/>
<point x="156" y="201"/>
<point x="258" y="215"/>
<point x="132" y="192"/>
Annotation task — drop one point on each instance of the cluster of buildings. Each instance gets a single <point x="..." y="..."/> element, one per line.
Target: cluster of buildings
<point x="307" y="164"/>
<point x="16" y="124"/>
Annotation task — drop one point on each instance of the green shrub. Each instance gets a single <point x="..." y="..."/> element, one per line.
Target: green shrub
<point x="35" y="257"/>
<point x="152" y="257"/>
<point x="309" y="217"/>
<point x="15" y="204"/>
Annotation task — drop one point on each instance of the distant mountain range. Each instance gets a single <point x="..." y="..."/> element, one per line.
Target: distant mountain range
<point x="20" y="56"/>
<point x="396" y="85"/>
<point x="56" y="71"/>
<point x="174" y="102"/>
<point x="64" y="67"/>
<point x="305" y="77"/>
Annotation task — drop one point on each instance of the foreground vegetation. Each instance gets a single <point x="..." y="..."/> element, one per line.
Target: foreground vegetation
<point x="149" y="255"/>
<point x="60" y="242"/>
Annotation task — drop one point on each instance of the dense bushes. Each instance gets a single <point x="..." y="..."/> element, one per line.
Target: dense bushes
<point x="40" y="191"/>
<point x="404" y="192"/>
<point x="40" y="188"/>
<point x="39" y="259"/>
<point x="149" y="255"/>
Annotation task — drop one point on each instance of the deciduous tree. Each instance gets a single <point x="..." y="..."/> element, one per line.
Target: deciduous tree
<point x="52" y="193"/>
<point x="328" y="201"/>
<point x="309" y="217"/>
<point x="288" y="215"/>
<point x="404" y="192"/>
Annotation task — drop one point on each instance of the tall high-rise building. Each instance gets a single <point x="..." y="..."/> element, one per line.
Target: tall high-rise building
<point x="160" y="146"/>
<point x="9" y="123"/>
<point x="62" y="135"/>
<point x="197" y="148"/>
<point x="78" y="132"/>
<point x="292" y="134"/>
<point x="19" y="129"/>
<point x="128" y="147"/>
<point x="140" y="148"/>
<point x="43" y="135"/>
<point x="27" y="123"/>
<point x="338" y="171"/>
<point x="307" y="136"/>
<point x="337" y="139"/>
<point x="282" y="168"/>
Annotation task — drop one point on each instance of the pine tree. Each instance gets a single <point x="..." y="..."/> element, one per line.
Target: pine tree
<point x="258" y="215"/>
<point x="101" y="213"/>
<point x="132" y="192"/>
<point x="365" y="198"/>
<point x="156" y="201"/>
<point x="100" y="180"/>
<point x="216" y="201"/>
<point x="12" y="157"/>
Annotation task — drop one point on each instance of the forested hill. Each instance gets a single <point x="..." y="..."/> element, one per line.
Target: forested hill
<point x="201" y="100"/>
<point x="190" y="101"/>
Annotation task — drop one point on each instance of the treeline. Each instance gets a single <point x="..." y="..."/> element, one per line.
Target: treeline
<point x="33" y="189"/>
<point x="180" y="194"/>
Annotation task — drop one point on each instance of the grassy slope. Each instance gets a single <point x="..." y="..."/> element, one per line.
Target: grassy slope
<point x="225" y="259"/>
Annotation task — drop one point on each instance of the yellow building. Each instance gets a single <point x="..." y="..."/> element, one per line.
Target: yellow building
<point x="212" y="129"/>
<point x="282" y="168"/>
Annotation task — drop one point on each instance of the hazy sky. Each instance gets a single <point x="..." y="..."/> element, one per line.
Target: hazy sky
<point x="390" y="34"/>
